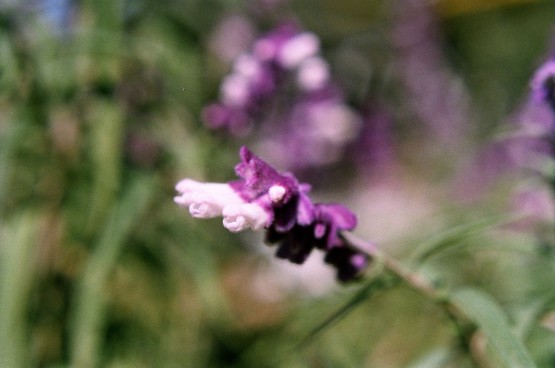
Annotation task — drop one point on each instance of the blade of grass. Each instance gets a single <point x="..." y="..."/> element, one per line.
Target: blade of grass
<point x="19" y="245"/>
<point x="8" y="145"/>
<point x="106" y="142"/>
<point x="90" y="303"/>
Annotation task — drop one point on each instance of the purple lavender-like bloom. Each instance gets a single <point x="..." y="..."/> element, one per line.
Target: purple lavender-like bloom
<point x="266" y="198"/>
<point x="543" y="84"/>
<point x="282" y="89"/>
<point x="256" y="75"/>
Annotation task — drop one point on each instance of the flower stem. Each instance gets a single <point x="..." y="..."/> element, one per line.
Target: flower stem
<point x="417" y="281"/>
<point x="423" y="286"/>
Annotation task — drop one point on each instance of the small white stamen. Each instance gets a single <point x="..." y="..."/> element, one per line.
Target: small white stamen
<point x="276" y="193"/>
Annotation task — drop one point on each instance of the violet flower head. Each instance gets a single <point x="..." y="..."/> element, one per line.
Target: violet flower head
<point x="256" y="75"/>
<point x="543" y="84"/>
<point x="282" y="90"/>
<point x="264" y="198"/>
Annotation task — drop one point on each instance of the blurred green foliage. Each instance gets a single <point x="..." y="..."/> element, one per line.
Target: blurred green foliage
<point x="100" y="268"/>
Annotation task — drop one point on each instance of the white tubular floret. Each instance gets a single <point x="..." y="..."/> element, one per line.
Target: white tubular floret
<point x="240" y="217"/>
<point x="297" y="49"/>
<point x="205" y="200"/>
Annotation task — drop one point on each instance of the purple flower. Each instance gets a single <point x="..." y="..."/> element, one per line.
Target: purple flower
<point x="282" y="90"/>
<point x="322" y="233"/>
<point x="256" y="75"/>
<point x="543" y="84"/>
<point x="262" y="197"/>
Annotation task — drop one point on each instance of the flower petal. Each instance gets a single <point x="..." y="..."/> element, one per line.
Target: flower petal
<point x="239" y="217"/>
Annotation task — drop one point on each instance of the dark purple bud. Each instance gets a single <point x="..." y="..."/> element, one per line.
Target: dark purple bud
<point x="348" y="262"/>
<point x="294" y="245"/>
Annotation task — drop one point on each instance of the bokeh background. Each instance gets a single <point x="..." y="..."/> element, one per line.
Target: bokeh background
<point x="101" y="114"/>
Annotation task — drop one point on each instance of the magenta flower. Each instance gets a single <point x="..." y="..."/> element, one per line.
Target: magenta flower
<point x="265" y="198"/>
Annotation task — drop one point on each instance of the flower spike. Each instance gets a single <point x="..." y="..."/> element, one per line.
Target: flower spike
<point x="262" y="197"/>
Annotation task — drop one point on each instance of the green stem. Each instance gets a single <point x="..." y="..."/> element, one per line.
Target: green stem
<point x="91" y="303"/>
<point x="18" y="249"/>
<point x="417" y="281"/>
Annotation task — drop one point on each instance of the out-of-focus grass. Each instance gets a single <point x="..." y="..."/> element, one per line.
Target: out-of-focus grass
<point x="99" y="268"/>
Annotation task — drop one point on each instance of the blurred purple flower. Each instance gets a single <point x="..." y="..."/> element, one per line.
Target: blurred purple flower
<point x="265" y="198"/>
<point x="373" y="151"/>
<point x="313" y="132"/>
<point x="536" y="136"/>
<point x="543" y="84"/>
<point x="527" y="147"/>
<point x="283" y="88"/>
<point x="434" y="93"/>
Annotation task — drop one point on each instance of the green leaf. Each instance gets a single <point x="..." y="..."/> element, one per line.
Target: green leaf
<point x="488" y="316"/>
<point x="455" y="236"/>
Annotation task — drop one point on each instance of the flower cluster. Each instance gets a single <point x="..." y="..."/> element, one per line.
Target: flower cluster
<point x="265" y="198"/>
<point x="285" y="86"/>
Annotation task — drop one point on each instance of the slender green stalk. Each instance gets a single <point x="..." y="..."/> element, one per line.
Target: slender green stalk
<point x="416" y="280"/>
<point x="18" y="247"/>
<point x="90" y="304"/>
<point x="8" y="145"/>
<point x="106" y="141"/>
